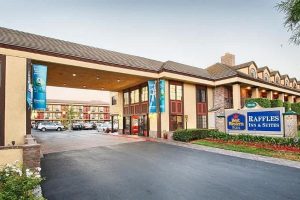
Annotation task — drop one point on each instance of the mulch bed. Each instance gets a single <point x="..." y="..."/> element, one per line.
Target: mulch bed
<point x="258" y="145"/>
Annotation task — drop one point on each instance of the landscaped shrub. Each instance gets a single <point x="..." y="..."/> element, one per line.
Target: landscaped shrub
<point x="196" y="134"/>
<point x="276" y="103"/>
<point x="263" y="102"/>
<point x="19" y="183"/>
<point x="296" y="107"/>
<point x="287" y="106"/>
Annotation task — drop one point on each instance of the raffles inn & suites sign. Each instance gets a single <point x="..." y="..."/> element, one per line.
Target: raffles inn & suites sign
<point x="255" y="121"/>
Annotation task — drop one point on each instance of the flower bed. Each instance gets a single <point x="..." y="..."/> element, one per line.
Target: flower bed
<point x="196" y="134"/>
<point x="16" y="182"/>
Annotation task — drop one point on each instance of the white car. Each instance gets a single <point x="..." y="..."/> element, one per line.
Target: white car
<point x="88" y="126"/>
<point x="106" y="128"/>
<point x="44" y="126"/>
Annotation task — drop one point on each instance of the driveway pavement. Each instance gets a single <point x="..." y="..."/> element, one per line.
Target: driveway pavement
<point x="150" y="170"/>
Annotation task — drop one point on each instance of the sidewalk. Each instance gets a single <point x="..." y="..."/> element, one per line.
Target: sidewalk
<point x="277" y="161"/>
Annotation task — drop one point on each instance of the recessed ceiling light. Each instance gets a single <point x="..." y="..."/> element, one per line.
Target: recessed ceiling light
<point x="102" y="88"/>
<point x="118" y="80"/>
<point x="248" y="88"/>
<point x="74" y="74"/>
<point x="98" y="77"/>
<point x="84" y="86"/>
<point x="65" y="84"/>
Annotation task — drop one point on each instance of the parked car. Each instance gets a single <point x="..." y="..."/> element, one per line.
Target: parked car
<point x="44" y="126"/>
<point x="88" y="126"/>
<point x="76" y="126"/>
<point x="33" y="124"/>
<point x="106" y="128"/>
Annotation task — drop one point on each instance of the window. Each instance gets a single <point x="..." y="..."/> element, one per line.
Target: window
<point x="295" y="85"/>
<point x="253" y="73"/>
<point x="176" y="122"/>
<point x="277" y="80"/>
<point x="126" y="98"/>
<point x="176" y="92"/>
<point x="113" y="100"/>
<point x="201" y="95"/>
<point x="201" y="121"/>
<point x="134" y="96"/>
<point x="266" y="77"/>
<point x="286" y="82"/>
<point x="144" y="94"/>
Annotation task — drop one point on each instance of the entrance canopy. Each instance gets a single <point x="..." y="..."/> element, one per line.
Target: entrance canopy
<point x="60" y="75"/>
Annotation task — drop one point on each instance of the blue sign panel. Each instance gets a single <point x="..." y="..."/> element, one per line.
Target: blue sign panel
<point x="152" y="96"/>
<point x="236" y="121"/>
<point x="39" y="75"/>
<point x="162" y="84"/>
<point x="264" y="121"/>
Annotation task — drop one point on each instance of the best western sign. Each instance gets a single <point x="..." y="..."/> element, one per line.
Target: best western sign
<point x="255" y="121"/>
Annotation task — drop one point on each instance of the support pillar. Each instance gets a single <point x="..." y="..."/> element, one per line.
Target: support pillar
<point x="270" y="95"/>
<point x="236" y="90"/>
<point x="255" y="93"/>
<point x="281" y="96"/>
<point x="291" y="98"/>
<point x="298" y="100"/>
<point x="2" y="99"/>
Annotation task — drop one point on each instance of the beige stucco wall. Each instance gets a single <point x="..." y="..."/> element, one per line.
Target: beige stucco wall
<point x="210" y="98"/>
<point x="9" y="156"/>
<point x="165" y="117"/>
<point x="190" y="104"/>
<point x="244" y="70"/>
<point x="15" y="100"/>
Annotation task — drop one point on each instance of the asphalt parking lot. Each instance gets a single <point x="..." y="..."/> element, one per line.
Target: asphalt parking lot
<point x="150" y="170"/>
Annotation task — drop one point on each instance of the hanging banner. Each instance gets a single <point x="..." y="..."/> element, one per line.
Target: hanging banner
<point x="162" y="99"/>
<point x="39" y="75"/>
<point x="29" y="90"/>
<point x="152" y="96"/>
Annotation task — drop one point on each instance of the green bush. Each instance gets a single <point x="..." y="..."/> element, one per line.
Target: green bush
<point x="196" y="134"/>
<point x="16" y="182"/>
<point x="287" y="106"/>
<point x="296" y="107"/>
<point x="276" y="103"/>
<point x="263" y="102"/>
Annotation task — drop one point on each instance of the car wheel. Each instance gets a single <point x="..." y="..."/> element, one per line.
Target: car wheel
<point x="43" y="129"/>
<point x="58" y="129"/>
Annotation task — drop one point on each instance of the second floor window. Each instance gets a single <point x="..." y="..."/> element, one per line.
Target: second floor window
<point x="277" y="80"/>
<point x="253" y="73"/>
<point x="176" y="92"/>
<point x="144" y="96"/>
<point x="134" y="96"/>
<point x="201" y="95"/>
<point x="114" y="100"/>
<point x="266" y="77"/>
<point x="126" y="98"/>
<point x="286" y="82"/>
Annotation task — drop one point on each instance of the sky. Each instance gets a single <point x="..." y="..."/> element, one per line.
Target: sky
<point x="193" y="32"/>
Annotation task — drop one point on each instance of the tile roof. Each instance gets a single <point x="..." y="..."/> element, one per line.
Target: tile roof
<point x="172" y="66"/>
<point x="243" y="65"/>
<point x="60" y="47"/>
<point x="220" y="70"/>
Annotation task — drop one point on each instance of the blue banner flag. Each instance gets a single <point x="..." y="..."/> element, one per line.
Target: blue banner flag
<point x="39" y="75"/>
<point x="162" y="98"/>
<point x="152" y="96"/>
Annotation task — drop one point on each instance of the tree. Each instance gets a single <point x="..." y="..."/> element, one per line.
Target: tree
<point x="291" y="9"/>
<point x="69" y="115"/>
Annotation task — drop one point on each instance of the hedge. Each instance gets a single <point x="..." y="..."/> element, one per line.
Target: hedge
<point x="296" y="107"/>
<point x="196" y="134"/>
<point x="276" y="103"/>
<point x="263" y="102"/>
<point x="287" y="106"/>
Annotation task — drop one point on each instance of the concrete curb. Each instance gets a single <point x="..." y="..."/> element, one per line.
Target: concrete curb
<point x="277" y="161"/>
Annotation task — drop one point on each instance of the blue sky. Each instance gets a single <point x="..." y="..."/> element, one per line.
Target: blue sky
<point x="191" y="32"/>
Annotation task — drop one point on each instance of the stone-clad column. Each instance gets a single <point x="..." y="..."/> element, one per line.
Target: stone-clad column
<point x="291" y="98"/>
<point x="290" y="124"/>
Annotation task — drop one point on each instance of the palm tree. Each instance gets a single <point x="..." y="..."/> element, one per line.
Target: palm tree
<point x="291" y="9"/>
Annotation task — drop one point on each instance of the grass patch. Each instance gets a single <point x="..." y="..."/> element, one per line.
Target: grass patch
<point x="250" y="149"/>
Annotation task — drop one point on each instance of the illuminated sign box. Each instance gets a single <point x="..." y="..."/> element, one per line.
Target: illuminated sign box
<point x="262" y="121"/>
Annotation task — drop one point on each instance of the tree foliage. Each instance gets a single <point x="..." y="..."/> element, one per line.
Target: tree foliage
<point x="291" y="9"/>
